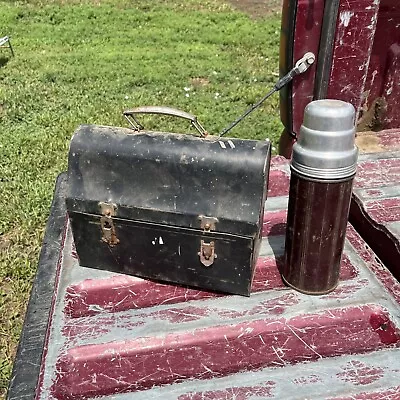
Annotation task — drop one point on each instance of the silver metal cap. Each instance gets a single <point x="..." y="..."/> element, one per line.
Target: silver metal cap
<point x="326" y="149"/>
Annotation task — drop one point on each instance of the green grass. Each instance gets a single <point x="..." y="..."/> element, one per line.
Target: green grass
<point x="84" y="63"/>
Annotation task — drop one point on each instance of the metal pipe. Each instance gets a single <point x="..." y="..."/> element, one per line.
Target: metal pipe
<point x="325" y="53"/>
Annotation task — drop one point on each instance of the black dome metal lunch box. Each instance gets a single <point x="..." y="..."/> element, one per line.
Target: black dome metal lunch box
<point x="167" y="206"/>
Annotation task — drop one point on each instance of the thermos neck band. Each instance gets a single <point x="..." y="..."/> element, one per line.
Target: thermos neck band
<point x="333" y="175"/>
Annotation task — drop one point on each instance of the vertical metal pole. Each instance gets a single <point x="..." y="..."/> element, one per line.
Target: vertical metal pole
<point x="325" y="53"/>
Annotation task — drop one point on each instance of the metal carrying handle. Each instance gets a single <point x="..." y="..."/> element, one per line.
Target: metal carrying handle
<point x="130" y="116"/>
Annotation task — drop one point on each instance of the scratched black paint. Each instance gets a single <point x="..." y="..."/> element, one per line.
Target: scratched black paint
<point x="162" y="186"/>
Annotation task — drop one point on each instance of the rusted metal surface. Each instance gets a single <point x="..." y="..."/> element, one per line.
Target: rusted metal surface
<point x="373" y="142"/>
<point x="354" y="39"/>
<point x="301" y="30"/>
<point x="123" y="337"/>
<point x="384" y="66"/>
<point x="375" y="211"/>
<point x="363" y="67"/>
<point x="107" y="225"/>
<point x="308" y="30"/>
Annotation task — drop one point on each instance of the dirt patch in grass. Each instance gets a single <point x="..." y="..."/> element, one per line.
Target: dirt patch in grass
<point x="199" y="82"/>
<point x="5" y="242"/>
<point x="257" y="8"/>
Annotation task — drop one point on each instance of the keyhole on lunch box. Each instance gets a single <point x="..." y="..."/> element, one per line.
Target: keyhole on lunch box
<point x="108" y="231"/>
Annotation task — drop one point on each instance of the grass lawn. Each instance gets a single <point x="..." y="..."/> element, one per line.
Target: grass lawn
<point x="84" y="62"/>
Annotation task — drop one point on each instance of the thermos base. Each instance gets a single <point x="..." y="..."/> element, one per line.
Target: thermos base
<point x="306" y="291"/>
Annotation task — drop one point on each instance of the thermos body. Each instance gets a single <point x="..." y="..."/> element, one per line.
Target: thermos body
<point x="316" y="228"/>
<point x="322" y="171"/>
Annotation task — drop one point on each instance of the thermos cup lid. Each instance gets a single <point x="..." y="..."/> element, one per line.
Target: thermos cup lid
<point x="326" y="146"/>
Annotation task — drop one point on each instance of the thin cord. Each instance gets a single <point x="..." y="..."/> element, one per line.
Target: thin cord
<point x="301" y="66"/>
<point x="251" y="109"/>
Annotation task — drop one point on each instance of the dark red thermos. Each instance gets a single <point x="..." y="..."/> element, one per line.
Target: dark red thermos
<point x="323" y="166"/>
